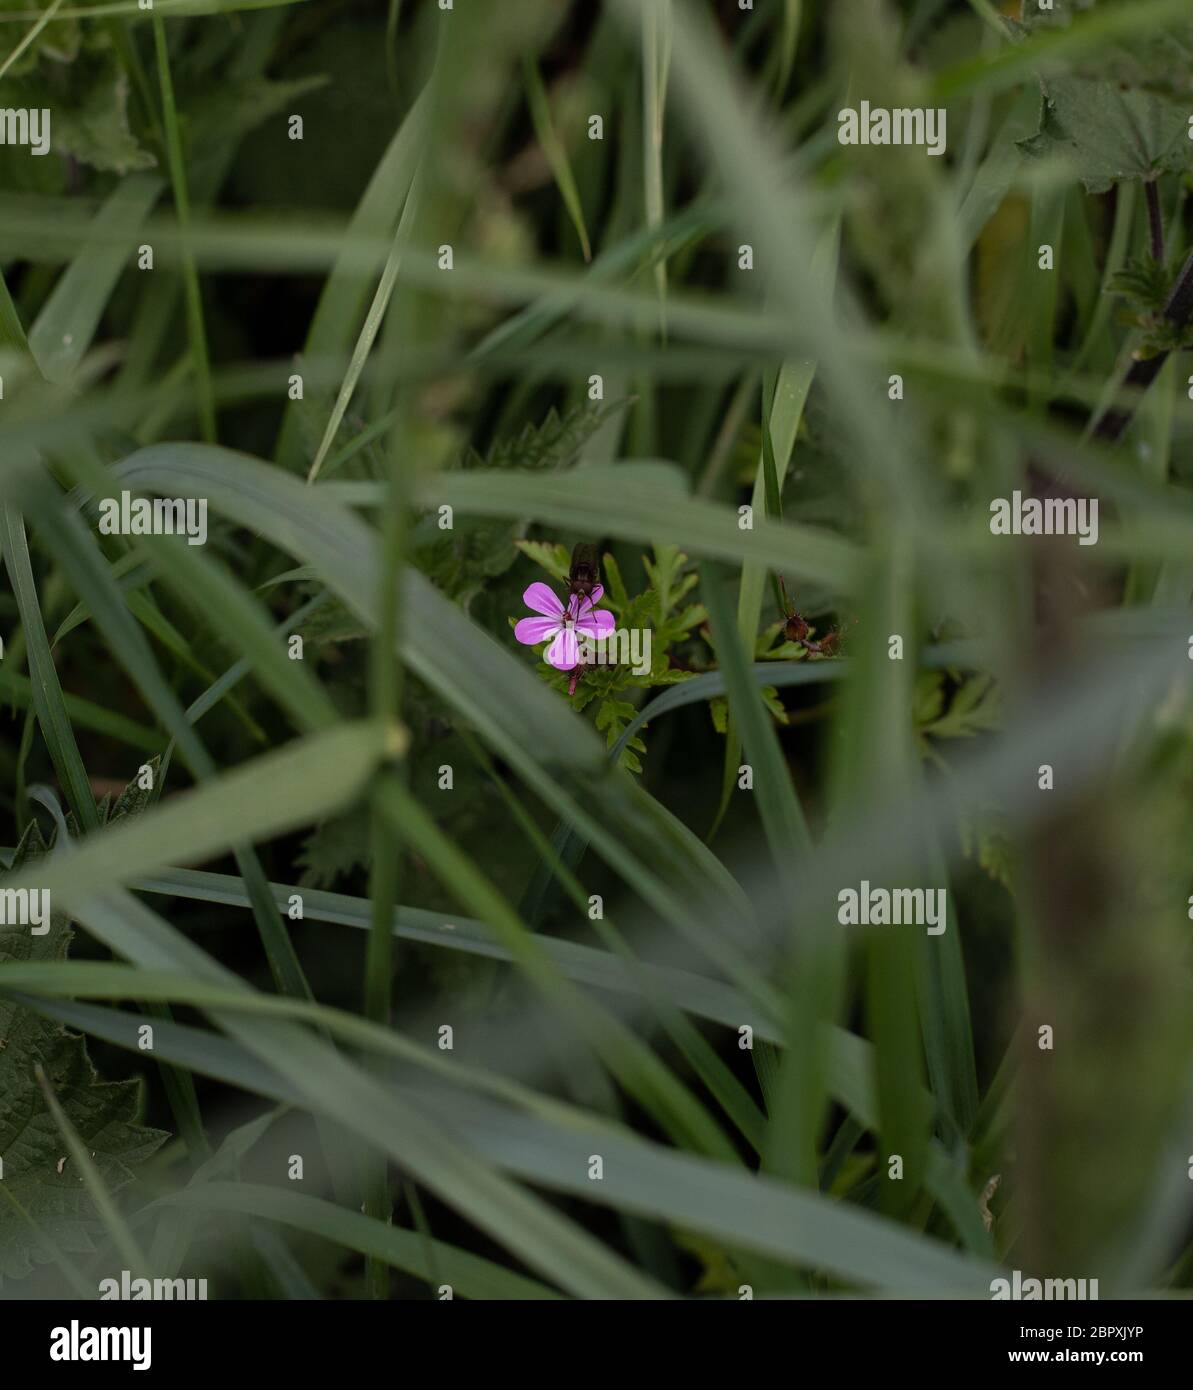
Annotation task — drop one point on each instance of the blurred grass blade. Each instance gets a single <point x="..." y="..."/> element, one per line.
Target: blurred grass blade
<point x="540" y="114"/>
<point x="46" y="691"/>
<point x="336" y="1089"/>
<point x="85" y="715"/>
<point x="470" y="1276"/>
<point x="345" y="291"/>
<point x="190" y="274"/>
<point x="66" y="325"/>
<point x="538" y="735"/>
<point x="265" y="797"/>
<point x="372" y="326"/>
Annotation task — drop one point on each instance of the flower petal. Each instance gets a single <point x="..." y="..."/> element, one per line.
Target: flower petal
<point x="541" y="598"/>
<point x="532" y="631"/>
<point x="597" y="593"/>
<point x="564" y="652"/>
<point x="598" y="624"/>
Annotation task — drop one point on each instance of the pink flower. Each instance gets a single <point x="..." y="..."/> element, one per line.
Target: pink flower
<point x="562" y="627"/>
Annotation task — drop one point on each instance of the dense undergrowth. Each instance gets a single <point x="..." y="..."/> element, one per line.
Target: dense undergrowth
<point x="388" y="951"/>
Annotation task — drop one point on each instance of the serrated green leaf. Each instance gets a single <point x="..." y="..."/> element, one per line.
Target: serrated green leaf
<point x="1108" y="134"/>
<point x="1154" y="58"/>
<point x="1120" y="113"/>
<point x="137" y="795"/>
<point x="478" y="549"/>
<point x="555" y="443"/>
<point x="89" y="105"/>
<point x="105" y="1114"/>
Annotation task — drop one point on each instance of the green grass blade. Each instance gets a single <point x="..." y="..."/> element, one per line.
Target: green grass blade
<point x="190" y="273"/>
<point x="267" y="796"/>
<point x="540" y="114"/>
<point x="372" y="326"/>
<point x="44" y="686"/>
<point x="469" y="1275"/>
<point x="66" y="326"/>
<point x="638" y="1069"/>
<point x="308" y="1070"/>
<point x="345" y="291"/>
<point x="83" y="714"/>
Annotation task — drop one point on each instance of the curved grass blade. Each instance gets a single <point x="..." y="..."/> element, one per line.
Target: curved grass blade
<point x="645" y="502"/>
<point x="66" y="325"/>
<point x="697" y="1194"/>
<point x="200" y="360"/>
<point x="345" y="291"/>
<point x="271" y="794"/>
<point x="311" y="1074"/>
<point x="637" y="1068"/>
<point x="84" y="715"/>
<point x="372" y="326"/>
<point x="540" y="114"/>
<point x="469" y="1275"/>
<point x="83" y="562"/>
<point x="557" y="755"/>
<point x="44" y="686"/>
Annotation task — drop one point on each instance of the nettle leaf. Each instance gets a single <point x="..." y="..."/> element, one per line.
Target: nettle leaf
<point x="335" y="849"/>
<point x="1110" y="135"/>
<point x="88" y="102"/>
<point x="476" y="550"/>
<point x="1154" y="59"/>
<point x="332" y="623"/>
<point x="462" y="560"/>
<point x="556" y="443"/>
<point x="106" y="1114"/>
<point x="1121" y="115"/>
<point x="134" y="798"/>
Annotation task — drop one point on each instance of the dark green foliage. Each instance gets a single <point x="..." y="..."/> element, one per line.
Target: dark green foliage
<point x="48" y="1199"/>
<point x="1121" y="115"/>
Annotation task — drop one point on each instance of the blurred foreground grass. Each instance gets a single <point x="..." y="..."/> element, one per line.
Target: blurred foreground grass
<point x="522" y="276"/>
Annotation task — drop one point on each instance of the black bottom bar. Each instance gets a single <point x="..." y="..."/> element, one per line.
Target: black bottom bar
<point x="311" y="1339"/>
